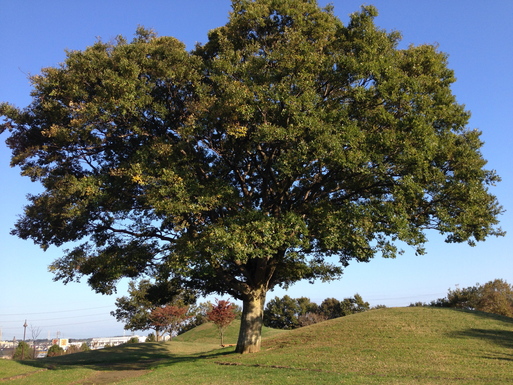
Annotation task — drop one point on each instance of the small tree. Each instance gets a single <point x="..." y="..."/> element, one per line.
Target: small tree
<point x="496" y="297"/>
<point x="168" y="319"/>
<point x="35" y="331"/>
<point x="84" y="347"/>
<point x="55" y="350"/>
<point x="73" y="349"/>
<point x="22" y="352"/>
<point x="353" y="305"/>
<point x="222" y="315"/>
<point x="144" y="297"/>
<point x="151" y="338"/>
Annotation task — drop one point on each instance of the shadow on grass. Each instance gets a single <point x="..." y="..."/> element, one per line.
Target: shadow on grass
<point x="507" y="320"/>
<point x="126" y="357"/>
<point x="499" y="337"/>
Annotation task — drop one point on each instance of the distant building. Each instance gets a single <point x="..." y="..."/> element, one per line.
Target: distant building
<point x="100" y="343"/>
<point x="61" y="342"/>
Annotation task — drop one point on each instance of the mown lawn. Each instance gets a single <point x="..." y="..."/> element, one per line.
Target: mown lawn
<point x="386" y="346"/>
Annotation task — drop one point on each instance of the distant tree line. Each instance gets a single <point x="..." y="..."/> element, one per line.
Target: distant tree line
<point x="493" y="297"/>
<point x="292" y="313"/>
<point x="140" y="311"/>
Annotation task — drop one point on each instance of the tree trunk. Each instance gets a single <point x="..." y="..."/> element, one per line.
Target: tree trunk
<point x="250" y="334"/>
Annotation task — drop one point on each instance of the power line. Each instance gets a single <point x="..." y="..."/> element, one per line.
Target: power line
<point x="59" y="318"/>
<point x="54" y="312"/>
<point x="63" y="325"/>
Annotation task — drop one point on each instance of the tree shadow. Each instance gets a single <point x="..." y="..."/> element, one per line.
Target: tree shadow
<point x="507" y="320"/>
<point x="497" y="336"/>
<point x="131" y="357"/>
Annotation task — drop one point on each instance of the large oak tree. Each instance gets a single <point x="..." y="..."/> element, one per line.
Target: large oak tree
<point x="286" y="146"/>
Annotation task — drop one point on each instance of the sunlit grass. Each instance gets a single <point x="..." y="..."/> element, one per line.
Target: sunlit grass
<point x="386" y="346"/>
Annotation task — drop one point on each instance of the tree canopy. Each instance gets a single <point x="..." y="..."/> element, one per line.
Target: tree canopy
<point x="282" y="149"/>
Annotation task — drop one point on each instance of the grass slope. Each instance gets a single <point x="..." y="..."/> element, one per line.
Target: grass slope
<point x="386" y="346"/>
<point x="209" y="334"/>
<point x="428" y="345"/>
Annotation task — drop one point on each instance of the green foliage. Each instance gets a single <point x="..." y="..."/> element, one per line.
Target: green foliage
<point x="285" y="139"/>
<point x="333" y="308"/>
<point x="330" y="308"/>
<point x="493" y="297"/>
<point x="133" y="340"/>
<point x="23" y="351"/>
<point x="290" y="313"/>
<point x="284" y="313"/>
<point x="135" y="308"/>
<point x="354" y="305"/>
<point x="151" y="338"/>
<point x="496" y="297"/>
<point x="143" y="300"/>
<point x="55" y="350"/>
<point x="84" y="347"/>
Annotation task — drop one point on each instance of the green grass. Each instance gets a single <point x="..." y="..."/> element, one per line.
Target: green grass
<point x="386" y="346"/>
<point x="209" y="334"/>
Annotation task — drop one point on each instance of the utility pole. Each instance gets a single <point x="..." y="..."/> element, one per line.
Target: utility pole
<point x="23" y="344"/>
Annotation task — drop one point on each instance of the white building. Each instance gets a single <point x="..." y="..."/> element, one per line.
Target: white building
<point x="100" y="343"/>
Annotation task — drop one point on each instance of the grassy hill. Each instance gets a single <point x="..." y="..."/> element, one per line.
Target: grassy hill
<point x="209" y="334"/>
<point x="386" y="346"/>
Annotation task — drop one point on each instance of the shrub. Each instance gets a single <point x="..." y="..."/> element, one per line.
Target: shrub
<point x="84" y="347"/>
<point x="133" y="340"/>
<point x="23" y="351"/>
<point x="55" y="350"/>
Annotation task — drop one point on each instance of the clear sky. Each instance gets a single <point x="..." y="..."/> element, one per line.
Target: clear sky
<point x="476" y="34"/>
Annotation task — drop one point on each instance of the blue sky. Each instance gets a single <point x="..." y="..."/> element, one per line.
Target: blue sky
<point x="476" y="34"/>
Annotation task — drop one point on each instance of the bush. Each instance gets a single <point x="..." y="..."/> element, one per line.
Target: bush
<point x="133" y="340"/>
<point x="73" y="349"/>
<point x="54" y="351"/>
<point x="493" y="297"/>
<point x="151" y="338"/>
<point x="23" y="352"/>
<point x="310" y="319"/>
<point x="84" y="347"/>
